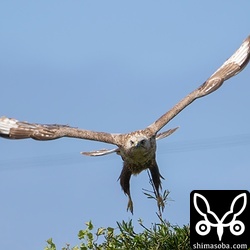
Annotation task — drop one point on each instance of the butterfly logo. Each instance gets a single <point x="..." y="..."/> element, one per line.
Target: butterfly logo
<point x="203" y="227"/>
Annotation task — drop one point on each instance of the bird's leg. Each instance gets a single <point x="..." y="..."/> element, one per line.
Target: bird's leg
<point x="156" y="178"/>
<point x="124" y="181"/>
<point x="130" y="204"/>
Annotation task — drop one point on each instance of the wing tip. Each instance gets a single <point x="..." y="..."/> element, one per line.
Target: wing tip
<point x="233" y="65"/>
<point x="241" y="56"/>
<point x="6" y="124"/>
<point x="247" y="42"/>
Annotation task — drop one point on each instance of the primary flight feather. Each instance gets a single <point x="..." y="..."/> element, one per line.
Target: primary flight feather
<point x="137" y="149"/>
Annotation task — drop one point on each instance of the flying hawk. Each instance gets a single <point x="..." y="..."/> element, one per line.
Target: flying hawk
<point x="137" y="149"/>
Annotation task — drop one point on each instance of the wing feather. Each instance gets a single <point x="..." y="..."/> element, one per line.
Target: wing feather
<point x="101" y="152"/>
<point x="231" y="67"/>
<point x="13" y="129"/>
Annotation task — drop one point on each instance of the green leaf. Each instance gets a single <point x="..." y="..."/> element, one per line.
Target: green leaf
<point x="89" y="225"/>
<point x="51" y="245"/>
<point x="100" y="231"/>
<point x="81" y="234"/>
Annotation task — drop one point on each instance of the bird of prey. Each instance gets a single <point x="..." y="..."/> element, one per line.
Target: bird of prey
<point x="137" y="149"/>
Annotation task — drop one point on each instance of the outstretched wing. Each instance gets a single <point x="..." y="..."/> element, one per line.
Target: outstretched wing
<point x="13" y="129"/>
<point x="230" y="68"/>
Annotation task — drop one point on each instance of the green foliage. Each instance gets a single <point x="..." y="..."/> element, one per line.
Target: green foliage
<point x="159" y="236"/>
<point x="51" y="245"/>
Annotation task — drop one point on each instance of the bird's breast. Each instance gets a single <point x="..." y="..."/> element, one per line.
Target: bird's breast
<point x="138" y="160"/>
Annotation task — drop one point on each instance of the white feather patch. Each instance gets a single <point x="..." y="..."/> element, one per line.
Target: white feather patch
<point x="6" y="124"/>
<point x="239" y="57"/>
<point x="241" y="54"/>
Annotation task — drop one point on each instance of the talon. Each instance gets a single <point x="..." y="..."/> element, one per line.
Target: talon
<point x="130" y="206"/>
<point x="160" y="203"/>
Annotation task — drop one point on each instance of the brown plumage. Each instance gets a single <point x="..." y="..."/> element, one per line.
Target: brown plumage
<point x="138" y="148"/>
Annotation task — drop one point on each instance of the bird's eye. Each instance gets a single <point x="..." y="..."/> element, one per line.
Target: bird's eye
<point x="143" y="142"/>
<point x="132" y="143"/>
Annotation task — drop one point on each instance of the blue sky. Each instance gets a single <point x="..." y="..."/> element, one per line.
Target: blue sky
<point x="116" y="66"/>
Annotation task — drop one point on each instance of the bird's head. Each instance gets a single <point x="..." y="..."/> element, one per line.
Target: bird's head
<point x="138" y="145"/>
<point x="138" y="149"/>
